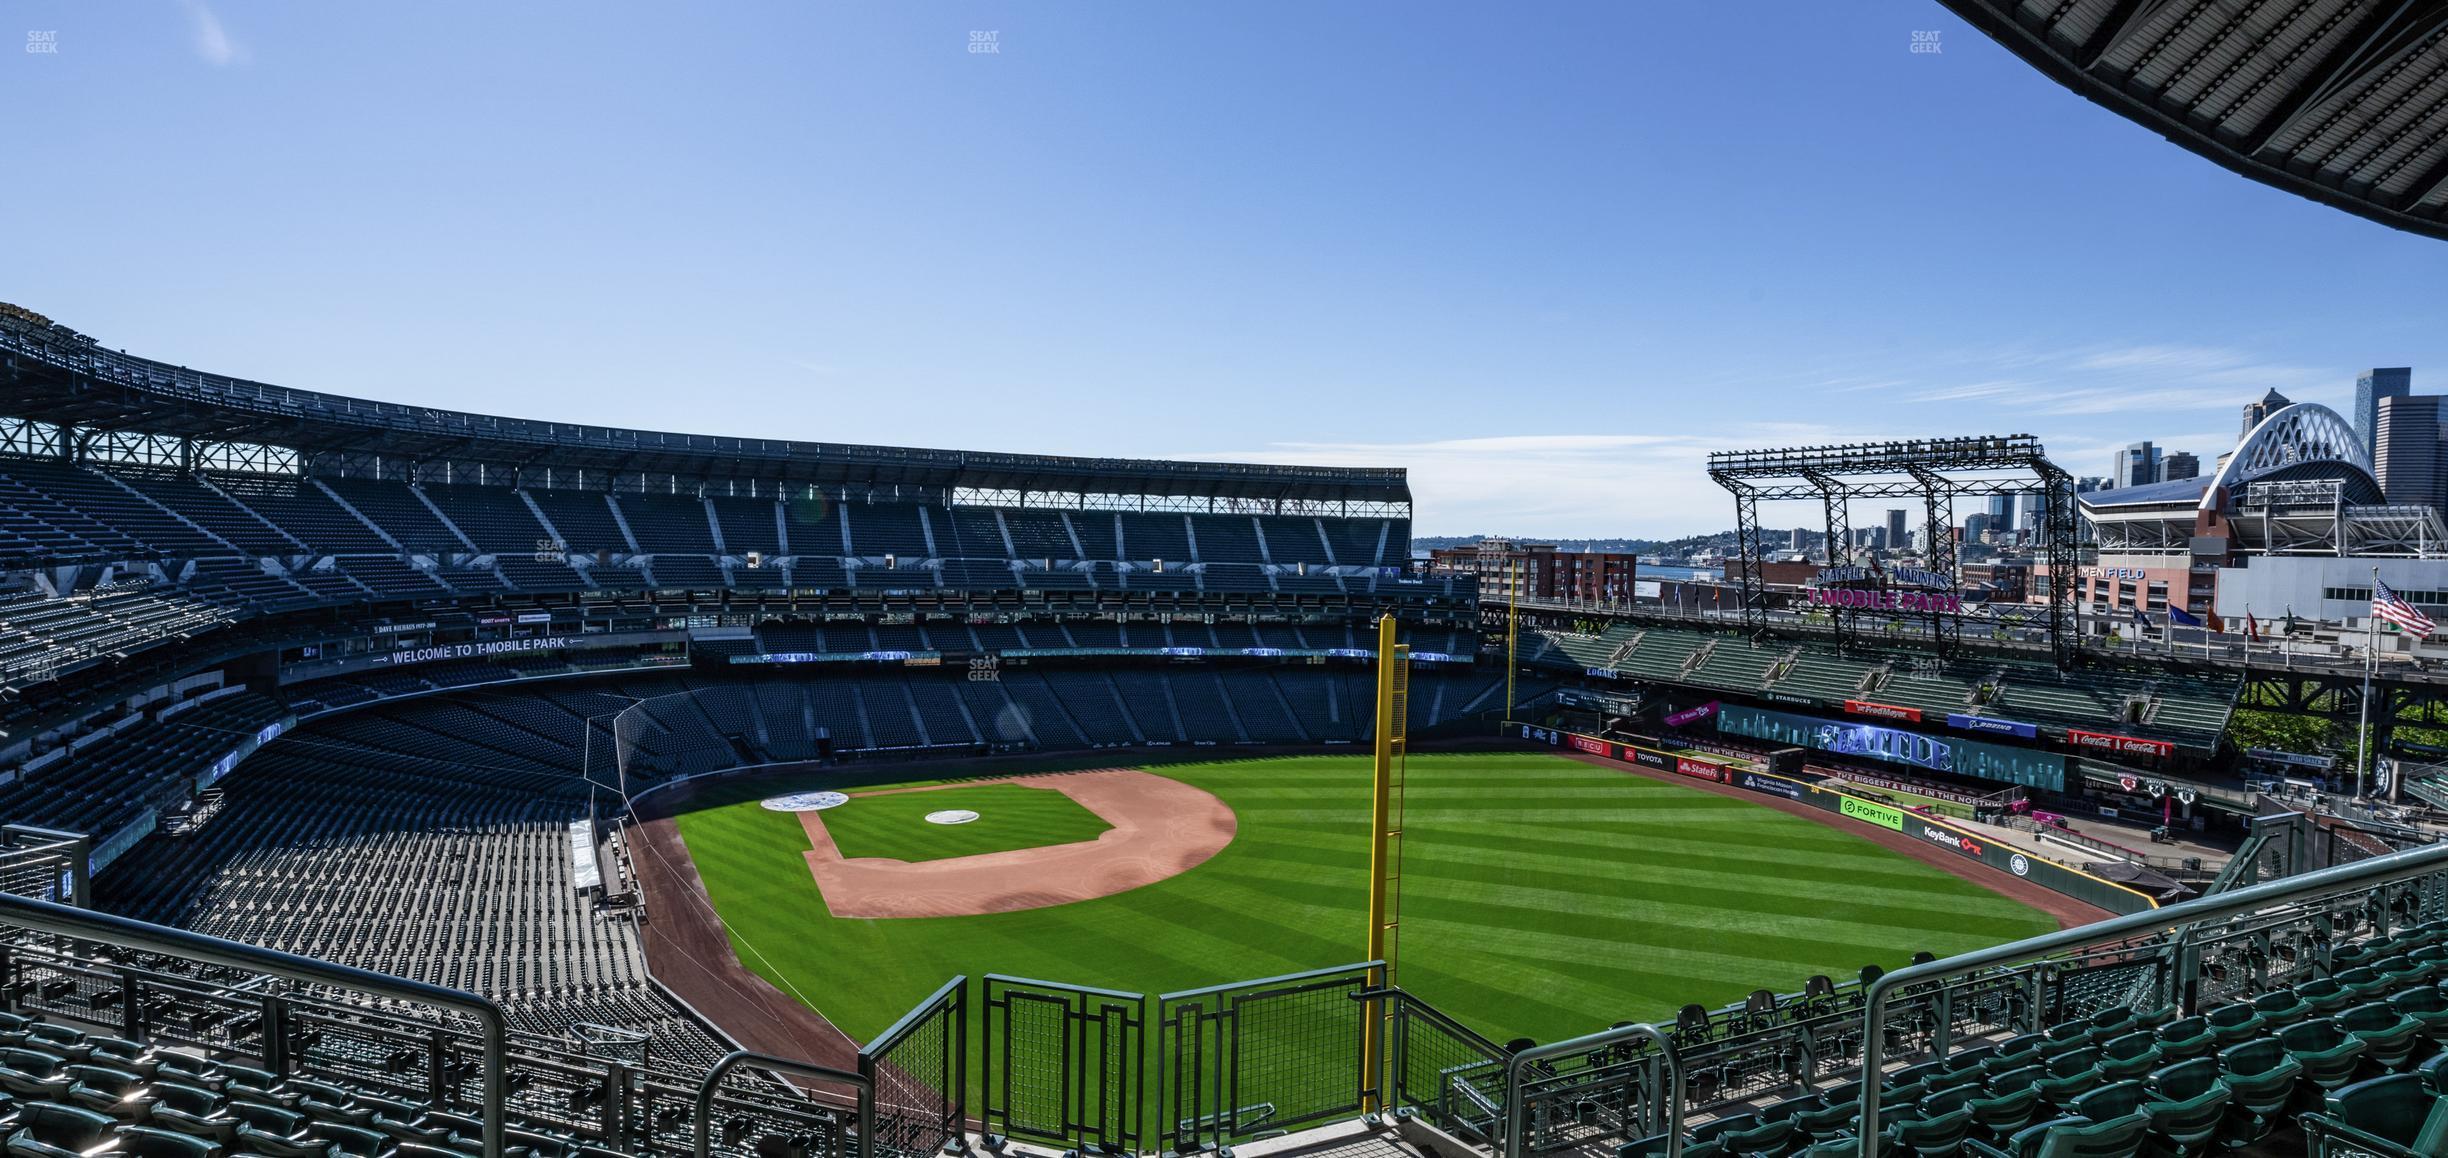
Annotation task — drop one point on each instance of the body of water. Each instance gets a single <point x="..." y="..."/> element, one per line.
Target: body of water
<point x="1662" y="571"/>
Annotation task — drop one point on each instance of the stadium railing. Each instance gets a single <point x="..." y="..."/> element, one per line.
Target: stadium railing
<point x="2168" y="930"/>
<point x="57" y="920"/>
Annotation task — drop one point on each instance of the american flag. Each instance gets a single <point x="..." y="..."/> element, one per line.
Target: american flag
<point x="2386" y="605"/>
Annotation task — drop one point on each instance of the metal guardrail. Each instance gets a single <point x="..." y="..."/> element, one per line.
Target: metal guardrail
<point x="82" y="924"/>
<point x="703" y="1145"/>
<point x="1513" y="1142"/>
<point x="2360" y="875"/>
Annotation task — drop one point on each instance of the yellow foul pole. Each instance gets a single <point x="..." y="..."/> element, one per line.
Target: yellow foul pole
<point x="1385" y="832"/>
<point x="1512" y="637"/>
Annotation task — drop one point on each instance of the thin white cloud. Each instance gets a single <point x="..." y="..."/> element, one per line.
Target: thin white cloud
<point x="213" y="43"/>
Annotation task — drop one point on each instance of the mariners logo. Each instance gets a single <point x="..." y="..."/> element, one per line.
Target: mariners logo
<point x="2020" y="864"/>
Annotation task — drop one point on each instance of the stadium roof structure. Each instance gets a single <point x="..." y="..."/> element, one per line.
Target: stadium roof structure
<point x="2341" y="101"/>
<point x="2298" y="483"/>
<point x="54" y="375"/>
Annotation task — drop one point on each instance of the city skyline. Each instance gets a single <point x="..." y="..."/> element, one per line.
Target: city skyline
<point x="1351" y="262"/>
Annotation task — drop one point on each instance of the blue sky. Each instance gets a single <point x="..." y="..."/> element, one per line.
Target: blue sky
<point x="1545" y="256"/>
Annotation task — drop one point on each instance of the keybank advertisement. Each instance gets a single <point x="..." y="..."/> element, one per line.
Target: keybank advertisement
<point x="1878" y="814"/>
<point x="2043" y="770"/>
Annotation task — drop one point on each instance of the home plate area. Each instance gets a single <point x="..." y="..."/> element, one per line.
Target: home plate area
<point x="1115" y="830"/>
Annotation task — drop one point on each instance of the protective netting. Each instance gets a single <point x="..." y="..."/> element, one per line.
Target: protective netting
<point x="708" y="730"/>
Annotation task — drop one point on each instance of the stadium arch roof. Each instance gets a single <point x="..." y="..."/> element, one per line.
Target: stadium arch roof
<point x="2302" y="441"/>
<point x="52" y="374"/>
<point x="2341" y="101"/>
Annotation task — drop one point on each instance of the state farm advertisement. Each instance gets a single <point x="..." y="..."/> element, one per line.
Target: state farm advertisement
<point x="1700" y="768"/>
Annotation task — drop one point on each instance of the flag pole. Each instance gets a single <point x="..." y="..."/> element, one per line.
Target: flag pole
<point x="2371" y="657"/>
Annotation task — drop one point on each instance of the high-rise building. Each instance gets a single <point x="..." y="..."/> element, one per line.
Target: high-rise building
<point x="2254" y="412"/>
<point x="2001" y="511"/>
<point x="2136" y="465"/>
<point x="2181" y="464"/>
<point x="2370" y="388"/>
<point x="1899" y="529"/>
<point x="1801" y="538"/>
<point x="2409" y="432"/>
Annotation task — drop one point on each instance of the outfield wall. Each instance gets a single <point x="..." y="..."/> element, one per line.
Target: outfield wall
<point x="1972" y="845"/>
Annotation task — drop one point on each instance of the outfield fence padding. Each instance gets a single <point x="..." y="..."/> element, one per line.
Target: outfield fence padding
<point x="1971" y="844"/>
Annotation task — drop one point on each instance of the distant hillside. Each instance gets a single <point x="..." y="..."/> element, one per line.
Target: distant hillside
<point x="1720" y="541"/>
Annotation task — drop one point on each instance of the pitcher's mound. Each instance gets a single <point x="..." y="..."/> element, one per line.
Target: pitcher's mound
<point x="1161" y="828"/>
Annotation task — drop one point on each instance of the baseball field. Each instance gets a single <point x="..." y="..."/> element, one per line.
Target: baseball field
<point x="1542" y="896"/>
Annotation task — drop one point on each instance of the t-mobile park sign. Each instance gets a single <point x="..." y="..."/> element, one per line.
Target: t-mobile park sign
<point x="1939" y="595"/>
<point x="1868" y="599"/>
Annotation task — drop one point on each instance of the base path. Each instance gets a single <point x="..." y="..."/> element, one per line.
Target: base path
<point x="2065" y="910"/>
<point x="1161" y="828"/>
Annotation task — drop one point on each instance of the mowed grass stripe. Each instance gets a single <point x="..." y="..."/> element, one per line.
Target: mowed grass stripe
<point x="1544" y="898"/>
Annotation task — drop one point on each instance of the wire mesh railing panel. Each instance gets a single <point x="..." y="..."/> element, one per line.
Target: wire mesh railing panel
<point x="1595" y="1101"/>
<point x="1443" y="1071"/>
<point x="920" y="1071"/>
<point x="2082" y="990"/>
<point x="1254" y="1060"/>
<point x="1069" y="1064"/>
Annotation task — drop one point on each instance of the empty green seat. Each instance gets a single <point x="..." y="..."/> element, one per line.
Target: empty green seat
<point x="2186" y="1038"/>
<point x="1938" y="1126"/>
<point x="2409" y="969"/>
<point x="2366" y="983"/>
<point x="1961" y="1064"/>
<point x="2114" y="1021"/>
<point x="2013" y="1054"/>
<point x="2263" y="1076"/>
<point x="2329" y="1054"/>
<point x="2193" y="1106"/>
<point x="2064" y="1039"/>
<point x="2234" y="1024"/>
<point x="1750" y="1134"/>
<point x="2426" y="1004"/>
<point x="2323" y="996"/>
<point x="2396" y="1116"/>
<point x="1843" y="1146"/>
<point x="2114" y="1100"/>
<point x="2279" y="1008"/>
<point x="2071" y="1138"/>
<point x="2008" y="1102"/>
<point x="2070" y="1075"/>
<point x="2389" y="1037"/>
<point x="2067" y="1030"/>
<point x="2130" y="1056"/>
<point x="1837" y="1108"/>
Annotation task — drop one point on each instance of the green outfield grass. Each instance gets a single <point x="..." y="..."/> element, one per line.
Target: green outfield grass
<point x="1543" y="897"/>
<point x="1009" y="816"/>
